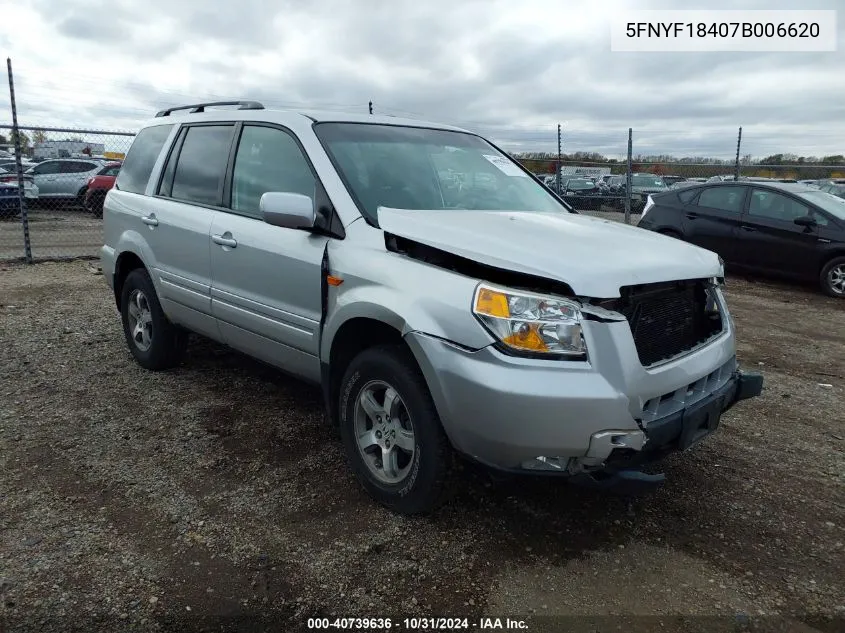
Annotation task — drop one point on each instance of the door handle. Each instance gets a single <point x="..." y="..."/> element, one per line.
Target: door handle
<point x="692" y="216"/>
<point x="150" y="220"/>
<point x="824" y="240"/>
<point x="745" y="227"/>
<point x="231" y="242"/>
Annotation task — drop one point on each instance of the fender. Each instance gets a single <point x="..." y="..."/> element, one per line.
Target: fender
<point x="406" y="312"/>
<point x="133" y="242"/>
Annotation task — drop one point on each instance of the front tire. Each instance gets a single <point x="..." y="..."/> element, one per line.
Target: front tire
<point x="153" y="340"/>
<point x="391" y="432"/>
<point x="832" y="278"/>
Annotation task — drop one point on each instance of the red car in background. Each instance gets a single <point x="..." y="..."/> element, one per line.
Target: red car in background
<point x="98" y="186"/>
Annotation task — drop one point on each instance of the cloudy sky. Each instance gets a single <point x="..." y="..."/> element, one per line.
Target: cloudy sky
<point x="510" y="70"/>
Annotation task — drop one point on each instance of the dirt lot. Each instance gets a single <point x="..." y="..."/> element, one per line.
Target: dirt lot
<point x="53" y="233"/>
<point x="214" y="496"/>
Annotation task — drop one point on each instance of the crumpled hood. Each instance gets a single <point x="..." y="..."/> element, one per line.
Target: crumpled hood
<point x="595" y="257"/>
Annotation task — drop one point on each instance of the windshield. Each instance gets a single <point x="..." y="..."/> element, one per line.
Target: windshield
<point x="647" y="181"/>
<point x="580" y="183"/>
<point x="826" y="201"/>
<point x="416" y="168"/>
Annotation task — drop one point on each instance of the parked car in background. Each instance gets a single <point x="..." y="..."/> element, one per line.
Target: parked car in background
<point x="835" y="188"/>
<point x="580" y="192"/>
<point x="10" y="166"/>
<point x="494" y="322"/>
<point x="641" y="186"/>
<point x="64" y="178"/>
<point x="778" y="228"/>
<point x="722" y="178"/>
<point x="98" y="186"/>
<point x="10" y="202"/>
<point x="550" y="181"/>
<point x="9" y="178"/>
<point x="616" y="185"/>
<point x="672" y="180"/>
<point x="683" y="184"/>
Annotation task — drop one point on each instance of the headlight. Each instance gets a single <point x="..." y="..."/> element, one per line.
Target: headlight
<point x="531" y="324"/>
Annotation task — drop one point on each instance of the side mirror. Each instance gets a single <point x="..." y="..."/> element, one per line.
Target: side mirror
<point x="287" y="210"/>
<point x="807" y="221"/>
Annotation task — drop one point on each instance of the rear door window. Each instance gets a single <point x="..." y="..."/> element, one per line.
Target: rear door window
<point x="76" y="167"/>
<point x="201" y="165"/>
<point x="723" y="198"/>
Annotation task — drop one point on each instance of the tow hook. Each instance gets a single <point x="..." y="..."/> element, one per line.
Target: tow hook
<point x="625" y="483"/>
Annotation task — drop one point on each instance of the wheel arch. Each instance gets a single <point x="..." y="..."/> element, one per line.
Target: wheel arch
<point x="352" y="337"/>
<point x="126" y="262"/>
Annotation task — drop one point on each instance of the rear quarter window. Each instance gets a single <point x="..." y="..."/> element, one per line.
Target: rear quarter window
<point x="141" y="158"/>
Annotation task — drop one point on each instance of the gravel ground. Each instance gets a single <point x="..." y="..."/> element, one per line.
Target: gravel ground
<point x="54" y="233"/>
<point x="214" y="495"/>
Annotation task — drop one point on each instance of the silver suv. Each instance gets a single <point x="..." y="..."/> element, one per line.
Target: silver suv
<point x="64" y="177"/>
<point x="443" y="299"/>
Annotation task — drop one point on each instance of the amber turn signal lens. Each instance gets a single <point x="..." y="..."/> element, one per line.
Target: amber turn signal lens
<point x="492" y="303"/>
<point x="527" y="337"/>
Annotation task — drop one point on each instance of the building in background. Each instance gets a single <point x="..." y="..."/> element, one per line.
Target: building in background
<point x="67" y="149"/>
<point x="574" y="170"/>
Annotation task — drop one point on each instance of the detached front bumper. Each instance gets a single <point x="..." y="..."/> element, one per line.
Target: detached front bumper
<point x="528" y="415"/>
<point x="675" y="432"/>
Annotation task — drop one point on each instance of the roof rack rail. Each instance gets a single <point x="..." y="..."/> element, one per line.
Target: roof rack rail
<point x="200" y="107"/>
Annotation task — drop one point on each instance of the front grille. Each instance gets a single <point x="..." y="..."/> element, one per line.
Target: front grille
<point x="669" y="319"/>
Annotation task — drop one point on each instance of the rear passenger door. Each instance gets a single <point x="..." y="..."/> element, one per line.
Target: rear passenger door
<point x="266" y="280"/>
<point x="73" y="176"/>
<point x="711" y="219"/>
<point x="178" y="222"/>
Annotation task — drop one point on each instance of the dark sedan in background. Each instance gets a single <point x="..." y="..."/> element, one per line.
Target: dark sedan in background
<point x="776" y="228"/>
<point x="581" y="193"/>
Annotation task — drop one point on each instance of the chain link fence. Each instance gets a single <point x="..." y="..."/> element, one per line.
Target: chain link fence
<point x="620" y="182"/>
<point x="66" y="174"/>
<point x="68" y="171"/>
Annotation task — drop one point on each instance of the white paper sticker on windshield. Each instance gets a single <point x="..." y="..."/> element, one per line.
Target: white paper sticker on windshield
<point x="505" y="166"/>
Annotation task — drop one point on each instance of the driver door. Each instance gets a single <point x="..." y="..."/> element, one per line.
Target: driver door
<point x="46" y="176"/>
<point x="266" y="280"/>
<point x="770" y="241"/>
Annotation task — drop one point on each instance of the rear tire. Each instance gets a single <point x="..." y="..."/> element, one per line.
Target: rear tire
<point x="154" y="341"/>
<point x="385" y="409"/>
<point x="832" y="278"/>
<point x="80" y="197"/>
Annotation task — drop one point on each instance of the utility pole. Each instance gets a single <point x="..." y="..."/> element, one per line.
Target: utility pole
<point x="16" y="133"/>
<point x="628" y="178"/>
<point x="557" y="171"/>
<point x="738" y="143"/>
<point x="371" y="107"/>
